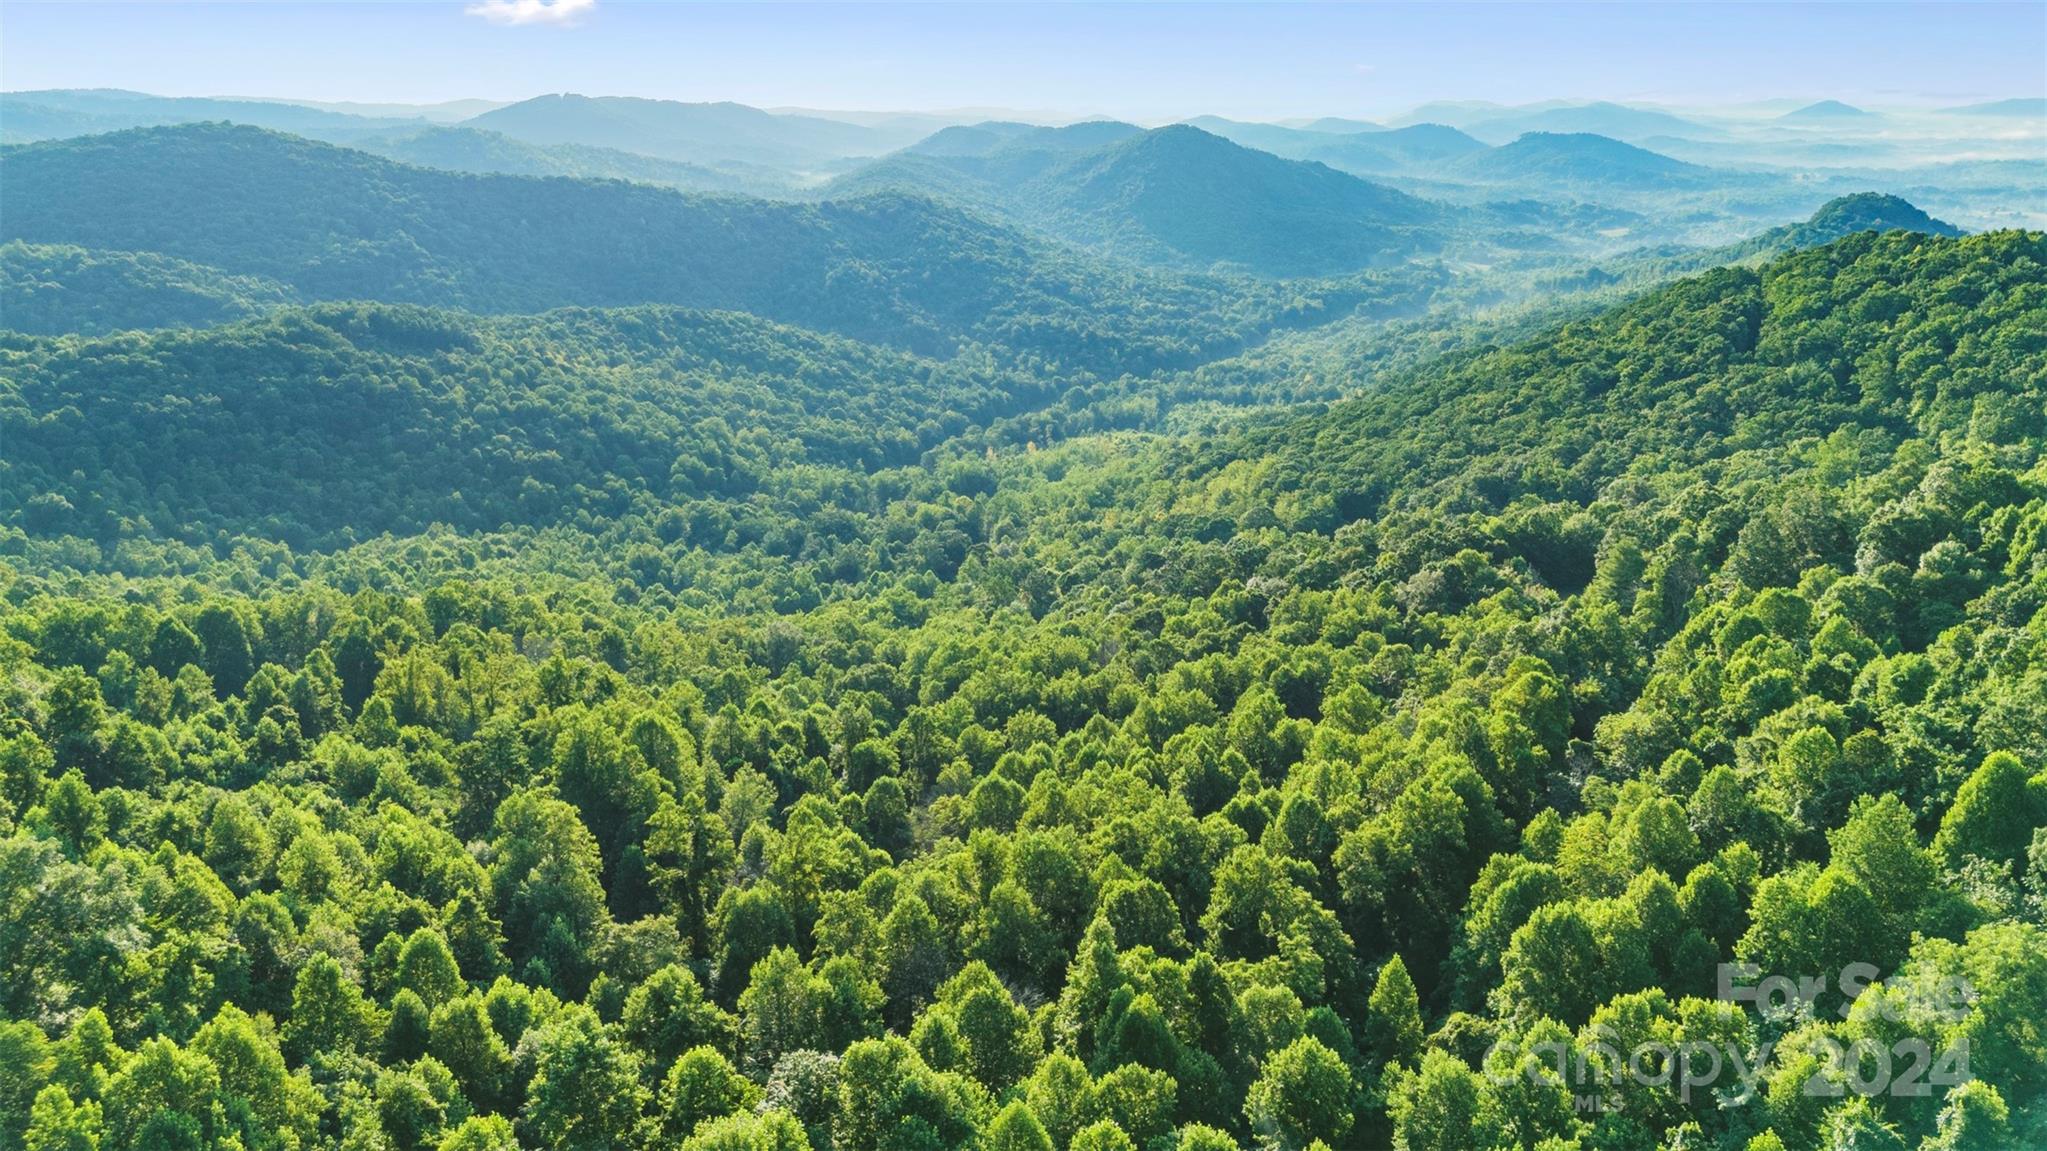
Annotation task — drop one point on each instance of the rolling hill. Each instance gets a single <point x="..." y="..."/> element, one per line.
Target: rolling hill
<point x="1015" y="148"/>
<point x="1344" y="125"/>
<point x="1838" y="218"/>
<point x="706" y="134"/>
<point x="1367" y="150"/>
<point x="1418" y="149"/>
<point x="729" y="146"/>
<point x="460" y="149"/>
<point x="1210" y="201"/>
<point x="1576" y="159"/>
<point x="1863" y="212"/>
<point x="1601" y="118"/>
<point x="2026" y="106"/>
<point x="972" y="139"/>
<point x="443" y="112"/>
<point x="1828" y="112"/>
<point x="58" y="289"/>
<point x="1278" y="139"/>
<point x="731" y="695"/>
<point x="60" y="113"/>
<point x="338" y="421"/>
<point x="333" y="223"/>
<point x="1174" y="196"/>
<point x="1706" y="378"/>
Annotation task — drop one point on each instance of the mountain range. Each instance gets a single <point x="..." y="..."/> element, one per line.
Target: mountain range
<point x="1094" y="637"/>
<point x="331" y="223"/>
<point x="1577" y="159"/>
<point x="715" y="133"/>
<point x="1175" y="195"/>
<point x="1496" y="124"/>
<point x="1828" y="112"/>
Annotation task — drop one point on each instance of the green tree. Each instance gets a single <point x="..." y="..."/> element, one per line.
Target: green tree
<point x="1441" y="1107"/>
<point x="755" y="921"/>
<point x="238" y="846"/>
<point x="1103" y="1135"/>
<point x="1057" y="1094"/>
<point x="700" y="1086"/>
<point x="586" y="1091"/>
<point x="25" y="769"/>
<point x="889" y="1099"/>
<point x="408" y="1029"/>
<point x="782" y="1008"/>
<point x="1993" y="815"/>
<point x="25" y="1058"/>
<point x="464" y="1041"/>
<point x="328" y="1012"/>
<point x="667" y="1014"/>
<point x="1393" y="1021"/>
<point x="160" y="1092"/>
<point x="1879" y="846"/>
<point x="1972" y="1118"/>
<point x="481" y="1133"/>
<point x="1000" y="1046"/>
<point x="546" y="890"/>
<point x="1014" y="1128"/>
<point x="282" y="1110"/>
<point x="55" y="1123"/>
<point x="172" y="646"/>
<point x="1304" y="1094"/>
<point x="74" y="813"/>
<point x="427" y="968"/>
<point x="87" y="1056"/>
<point x="767" y="1131"/>
<point x="228" y="659"/>
<point x="1547" y="971"/>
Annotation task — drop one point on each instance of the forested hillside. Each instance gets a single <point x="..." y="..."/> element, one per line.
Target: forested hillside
<point x="464" y="149"/>
<point x="1577" y="159"/>
<point x="747" y="739"/>
<point x="54" y="289"/>
<point x="335" y="223"/>
<point x="52" y="115"/>
<point x="704" y="133"/>
<point x="360" y="419"/>
<point x="1175" y="195"/>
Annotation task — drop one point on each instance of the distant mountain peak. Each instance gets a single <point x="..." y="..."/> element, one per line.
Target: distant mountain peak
<point x="1342" y="125"/>
<point x="1210" y="200"/>
<point x="700" y="133"/>
<point x="2021" y="106"/>
<point x="1839" y="217"/>
<point x="1539" y="163"/>
<point x="1828" y="110"/>
<point x="1870" y="212"/>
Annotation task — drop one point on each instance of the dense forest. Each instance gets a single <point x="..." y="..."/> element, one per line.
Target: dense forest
<point x="426" y="727"/>
<point x="1171" y="195"/>
<point x="338" y="224"/>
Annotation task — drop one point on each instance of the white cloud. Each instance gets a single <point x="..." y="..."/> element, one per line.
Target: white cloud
<point x="562" y="12"/>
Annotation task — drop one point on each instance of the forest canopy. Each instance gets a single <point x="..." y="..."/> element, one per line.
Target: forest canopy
<point x="429" y="727"/>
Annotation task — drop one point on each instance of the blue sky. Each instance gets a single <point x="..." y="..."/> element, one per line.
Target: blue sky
<point x="1137" y="60"/>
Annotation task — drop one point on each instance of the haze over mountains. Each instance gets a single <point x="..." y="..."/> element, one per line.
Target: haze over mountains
<point x="1829" y="112"/>
<point x="807" y="148"/>
<point x="1691" y="176"/>
<point x="1175" y="194"/>
<point x="334" y="223"/>
<point x="956" y="229"/>
<point x="695" y="133"/>
<point x="595" y="623"/>
<point x="87" y="242"/>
